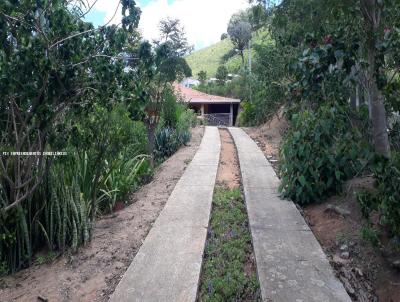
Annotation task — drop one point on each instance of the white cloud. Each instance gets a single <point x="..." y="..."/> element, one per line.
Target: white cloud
<point x="204" y="20"/>
<point x="112" y="8"/>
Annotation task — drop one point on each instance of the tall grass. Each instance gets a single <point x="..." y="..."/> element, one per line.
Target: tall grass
<point x="121" y="178"/>
<point x="56" y="217"/>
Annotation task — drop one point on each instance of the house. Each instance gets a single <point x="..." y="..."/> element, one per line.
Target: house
<point x="232" y="76"/>
<point x="215" y="110"/>
<point x="190" y="82"/>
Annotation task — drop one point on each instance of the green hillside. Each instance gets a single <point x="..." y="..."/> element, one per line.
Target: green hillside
<point x="209" y="58"/>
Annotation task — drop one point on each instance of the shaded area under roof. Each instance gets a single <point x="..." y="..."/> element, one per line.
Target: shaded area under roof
<point x="196" y="97"/>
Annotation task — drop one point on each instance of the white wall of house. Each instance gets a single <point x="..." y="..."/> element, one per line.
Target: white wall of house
<point x="190" y="82"/>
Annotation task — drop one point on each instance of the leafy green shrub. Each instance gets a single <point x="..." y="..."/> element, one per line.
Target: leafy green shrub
<point x="394" y="136"/>
<point x="99" y="152"/>
<point x="187" y="119"/>
<point x="170" y="110"/>
<point x="236" y="88"/>
<point x="3" y="268"/>
<point x="318" y="154"/>
<point x="268" y="85"/>
<point x="85" y="106"/>
<point x="259" y="111"/>
<point x="48" y="258"/>
<point x="387" y="175"/>
<point x="168" y="140"/>
<point x="370" y="235"/>
<point x="14" y="240"/>
<point x="368" y="202"/>
<point x="214" y="89"/>
<point x="246" y="116"/>
<point x="58" y="215"/>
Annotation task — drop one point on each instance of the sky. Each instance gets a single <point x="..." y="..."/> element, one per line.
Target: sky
<point x="204" y="20"/>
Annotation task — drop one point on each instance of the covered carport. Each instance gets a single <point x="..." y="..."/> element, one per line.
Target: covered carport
<point x="215" y="110"/>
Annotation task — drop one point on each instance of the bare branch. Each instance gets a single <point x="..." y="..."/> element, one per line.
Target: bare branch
<point x="86" y="31"/>
<point x="90" y="6"/>
<point x="104" y="56"/>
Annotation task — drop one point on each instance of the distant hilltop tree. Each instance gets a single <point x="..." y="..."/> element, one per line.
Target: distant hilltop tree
<point x="240" y="35"/>
<point x="172" y="32"/>
<point x="224" y="36"/>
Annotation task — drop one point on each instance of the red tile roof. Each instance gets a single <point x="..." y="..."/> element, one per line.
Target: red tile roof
<point x="196" y="97"/>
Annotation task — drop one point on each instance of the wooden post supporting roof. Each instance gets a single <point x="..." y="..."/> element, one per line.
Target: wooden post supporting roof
<point x="231" y="115"/>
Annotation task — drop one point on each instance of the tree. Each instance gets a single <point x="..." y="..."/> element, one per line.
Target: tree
<point x="362" y="24"/>
<point x="172" y="32"/>
<point x="372" y="11"/>
<point x="240" y="35"/>
<point x="202" y="76"/>
<point x="222" y="74"/>
<point x="241" y="16"/>
<point x="224" y="36"/>
<point x="157" y="68"/>
<point x="51" y="61"/>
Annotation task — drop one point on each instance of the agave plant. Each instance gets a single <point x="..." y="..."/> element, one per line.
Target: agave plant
<point x="166" y="143"/>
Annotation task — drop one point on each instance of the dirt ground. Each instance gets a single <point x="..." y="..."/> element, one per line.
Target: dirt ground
<point x="269" y="136"/>
<point x="93" y="272"/>
<point x="337" y="224"/>
<point x="228" y="170"/>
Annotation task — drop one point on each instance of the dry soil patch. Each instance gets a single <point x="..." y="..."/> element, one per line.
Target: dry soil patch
<point x="228" y="170"/>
